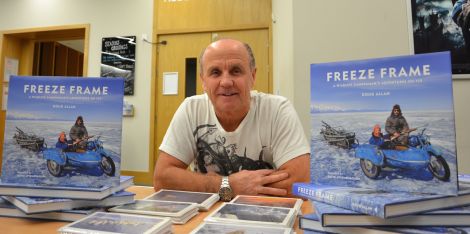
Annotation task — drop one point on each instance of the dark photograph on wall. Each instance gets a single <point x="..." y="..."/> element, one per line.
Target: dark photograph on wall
<point x="118" y="60"/>
<point x="443" y="25"/>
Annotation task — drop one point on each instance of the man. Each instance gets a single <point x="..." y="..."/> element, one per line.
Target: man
<point x="396" y="126"/>
<point x="78" y="133"/>
<point x="377" y="137"/>
<point x="240" y="142"/>
<point x="62" y="142"/>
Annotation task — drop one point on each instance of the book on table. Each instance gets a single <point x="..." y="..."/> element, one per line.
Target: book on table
<point x="209" y="228"/>
<point x="331" y="216"/>
<point x="203" y="200"/>
<point x="9" y="210"/>
<point x="179" y="212"/>
<point x="101" y="222"/>
<point x="285" y="202"/>
<point x="91" y="193"/>
<point x="414" y="147"/>
<point x="253" y="215"/>
<point x="63" y="131"/>
<point x="31" y="205"/>
<point x="379" y="203"/>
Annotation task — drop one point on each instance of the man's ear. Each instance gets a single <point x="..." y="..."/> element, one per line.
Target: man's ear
<point x="253" y="75"/>
<point x="203" y="82"/>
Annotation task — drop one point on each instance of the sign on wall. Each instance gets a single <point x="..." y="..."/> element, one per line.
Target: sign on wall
<point x="118" y="60"/>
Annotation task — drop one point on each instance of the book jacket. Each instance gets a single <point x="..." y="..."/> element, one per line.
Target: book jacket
<point x="40" y="109"/>
<point x="385" y="124"/>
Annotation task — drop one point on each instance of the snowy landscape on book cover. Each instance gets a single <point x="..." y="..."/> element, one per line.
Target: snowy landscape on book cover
<point x="40" y="109"/>
<point x="407" y="101"/>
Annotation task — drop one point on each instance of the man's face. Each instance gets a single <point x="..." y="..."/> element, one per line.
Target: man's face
<point x="227" y="77"/>
<point x="396" y="112"/>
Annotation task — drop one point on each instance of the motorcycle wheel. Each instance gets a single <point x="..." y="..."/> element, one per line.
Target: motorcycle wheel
<point x="439" y="167"/>
<point x="370" y="170"/>
<point x="107" y="165"/>
<point x="54" y="168"/>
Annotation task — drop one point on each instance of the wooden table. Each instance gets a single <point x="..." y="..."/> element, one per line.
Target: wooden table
<point x="20" y="225"/>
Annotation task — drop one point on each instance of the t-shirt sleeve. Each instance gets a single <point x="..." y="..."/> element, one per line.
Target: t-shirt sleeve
<point x="289" y="139"/>
<point x="179" y="140"/>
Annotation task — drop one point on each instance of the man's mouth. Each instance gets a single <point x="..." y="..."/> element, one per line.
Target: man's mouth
<point x="228" y="94"/>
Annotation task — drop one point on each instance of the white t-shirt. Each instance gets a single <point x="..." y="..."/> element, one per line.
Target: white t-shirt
<point x="269" y="135"/>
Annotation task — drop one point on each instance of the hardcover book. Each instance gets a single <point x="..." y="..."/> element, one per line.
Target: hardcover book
<point x="385" y="124"/>
<point x="179" y="212"/>
<point x="101" y="222"/>
<point x="253" y="215"/>
<point x="380" y="203"/>
<point x="31" y="205"/>
<point x="203" y="200"/>
<point x="229" y="228"/>
<point x="331" y="216"/>
<point x="294" y="203"/>
<point x="9" y="210"/>
<point x="18" y="189"/>
<point x="63" y="131"/>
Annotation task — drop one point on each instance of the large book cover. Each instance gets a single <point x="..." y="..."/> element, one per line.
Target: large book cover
<point x="101" y="222"/>
<point x="31" y="205"/>
<point x="381" y="203"/>
<point x="385" y="123"/>
<point x="90" y="193"/>
<point x="333" y="216"/>
<point x="310" y="223"/>
<point x="63" y="131"/>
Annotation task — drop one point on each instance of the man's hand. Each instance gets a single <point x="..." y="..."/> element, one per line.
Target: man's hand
<point x="254" y="182"/>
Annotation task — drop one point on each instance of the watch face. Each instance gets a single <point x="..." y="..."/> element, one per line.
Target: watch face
<point x="225" y="194"/>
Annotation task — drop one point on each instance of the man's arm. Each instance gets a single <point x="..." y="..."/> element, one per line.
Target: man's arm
<point x="298" y="170"/>
<point x="171" y="173"/>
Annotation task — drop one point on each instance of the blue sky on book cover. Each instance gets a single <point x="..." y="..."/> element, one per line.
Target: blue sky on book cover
<point x="42" y="107"/>
<point x="352" y="97"/>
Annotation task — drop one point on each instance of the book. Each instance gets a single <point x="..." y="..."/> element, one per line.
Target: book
<point x="101" y="222"/>
<point x="86" y="113"/>
<point x="409" y="98"/>
<point x="179" y="212"/>
<point x="253" y="215"/>
<point x="229" y="228"/>
<point x="17" y="189"/>
<point x="31" y="205"/>
<point x="203" y="200"/>
<point x="311" y="224"/>
<point x="9" y="210"/>
<point x="332" y="216"/>
<point x="285" y="202"/>
<point x="380" y="203"/>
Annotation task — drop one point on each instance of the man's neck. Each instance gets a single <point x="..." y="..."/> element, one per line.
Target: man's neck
<point x="231" y="121"/>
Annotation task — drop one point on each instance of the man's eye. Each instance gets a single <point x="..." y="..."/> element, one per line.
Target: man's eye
<point x="236" y="71"/>
<point x="215" y="72"/>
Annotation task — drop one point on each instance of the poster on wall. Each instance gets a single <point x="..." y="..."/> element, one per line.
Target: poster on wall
<point x="442" y="25"/>
<point x="118" y="60"/>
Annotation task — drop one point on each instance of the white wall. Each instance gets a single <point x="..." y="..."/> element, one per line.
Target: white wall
<point x="325" y="31"/>
<point x="106" y="18"/>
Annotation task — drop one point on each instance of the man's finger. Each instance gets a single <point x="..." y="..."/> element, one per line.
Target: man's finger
<point x="272" y="191"/>
<point x="274" y="178"/>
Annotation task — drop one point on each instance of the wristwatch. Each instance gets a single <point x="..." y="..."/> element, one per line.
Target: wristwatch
<point x="225" y="191"/>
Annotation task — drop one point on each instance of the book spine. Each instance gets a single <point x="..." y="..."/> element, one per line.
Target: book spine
<point x="343" y="200"/>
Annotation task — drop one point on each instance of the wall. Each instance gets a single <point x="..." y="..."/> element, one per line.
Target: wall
<point x="106" y="18"/>
<point x="347" y="30"/>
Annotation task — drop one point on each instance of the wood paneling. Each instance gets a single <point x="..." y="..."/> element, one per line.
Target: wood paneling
<point x="210" y="15"/>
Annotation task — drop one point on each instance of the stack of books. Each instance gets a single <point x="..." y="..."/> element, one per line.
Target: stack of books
<point x="364" y="180"/>
<point x="253" y="214"/>
<point x="204" y="201"/>
<point x="44" y="174"/>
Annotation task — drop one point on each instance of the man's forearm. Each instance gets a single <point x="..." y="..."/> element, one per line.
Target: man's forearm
<point x="298" y="170"/>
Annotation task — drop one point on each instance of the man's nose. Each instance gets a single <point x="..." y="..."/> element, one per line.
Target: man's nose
<point x="226" y="80"/>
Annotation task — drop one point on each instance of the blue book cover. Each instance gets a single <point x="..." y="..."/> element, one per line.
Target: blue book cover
<point x="381" y="203"/>
<point x="335" y="216"/>
<point x="385" y="123"/>
<point x="63" y="131"/>
<point x="101" y="222"/>
<point x="310" y="223"/>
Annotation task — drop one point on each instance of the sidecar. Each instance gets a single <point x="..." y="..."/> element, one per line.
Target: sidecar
<point x="59" y="160"/>
<point x="417" y="157"/>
